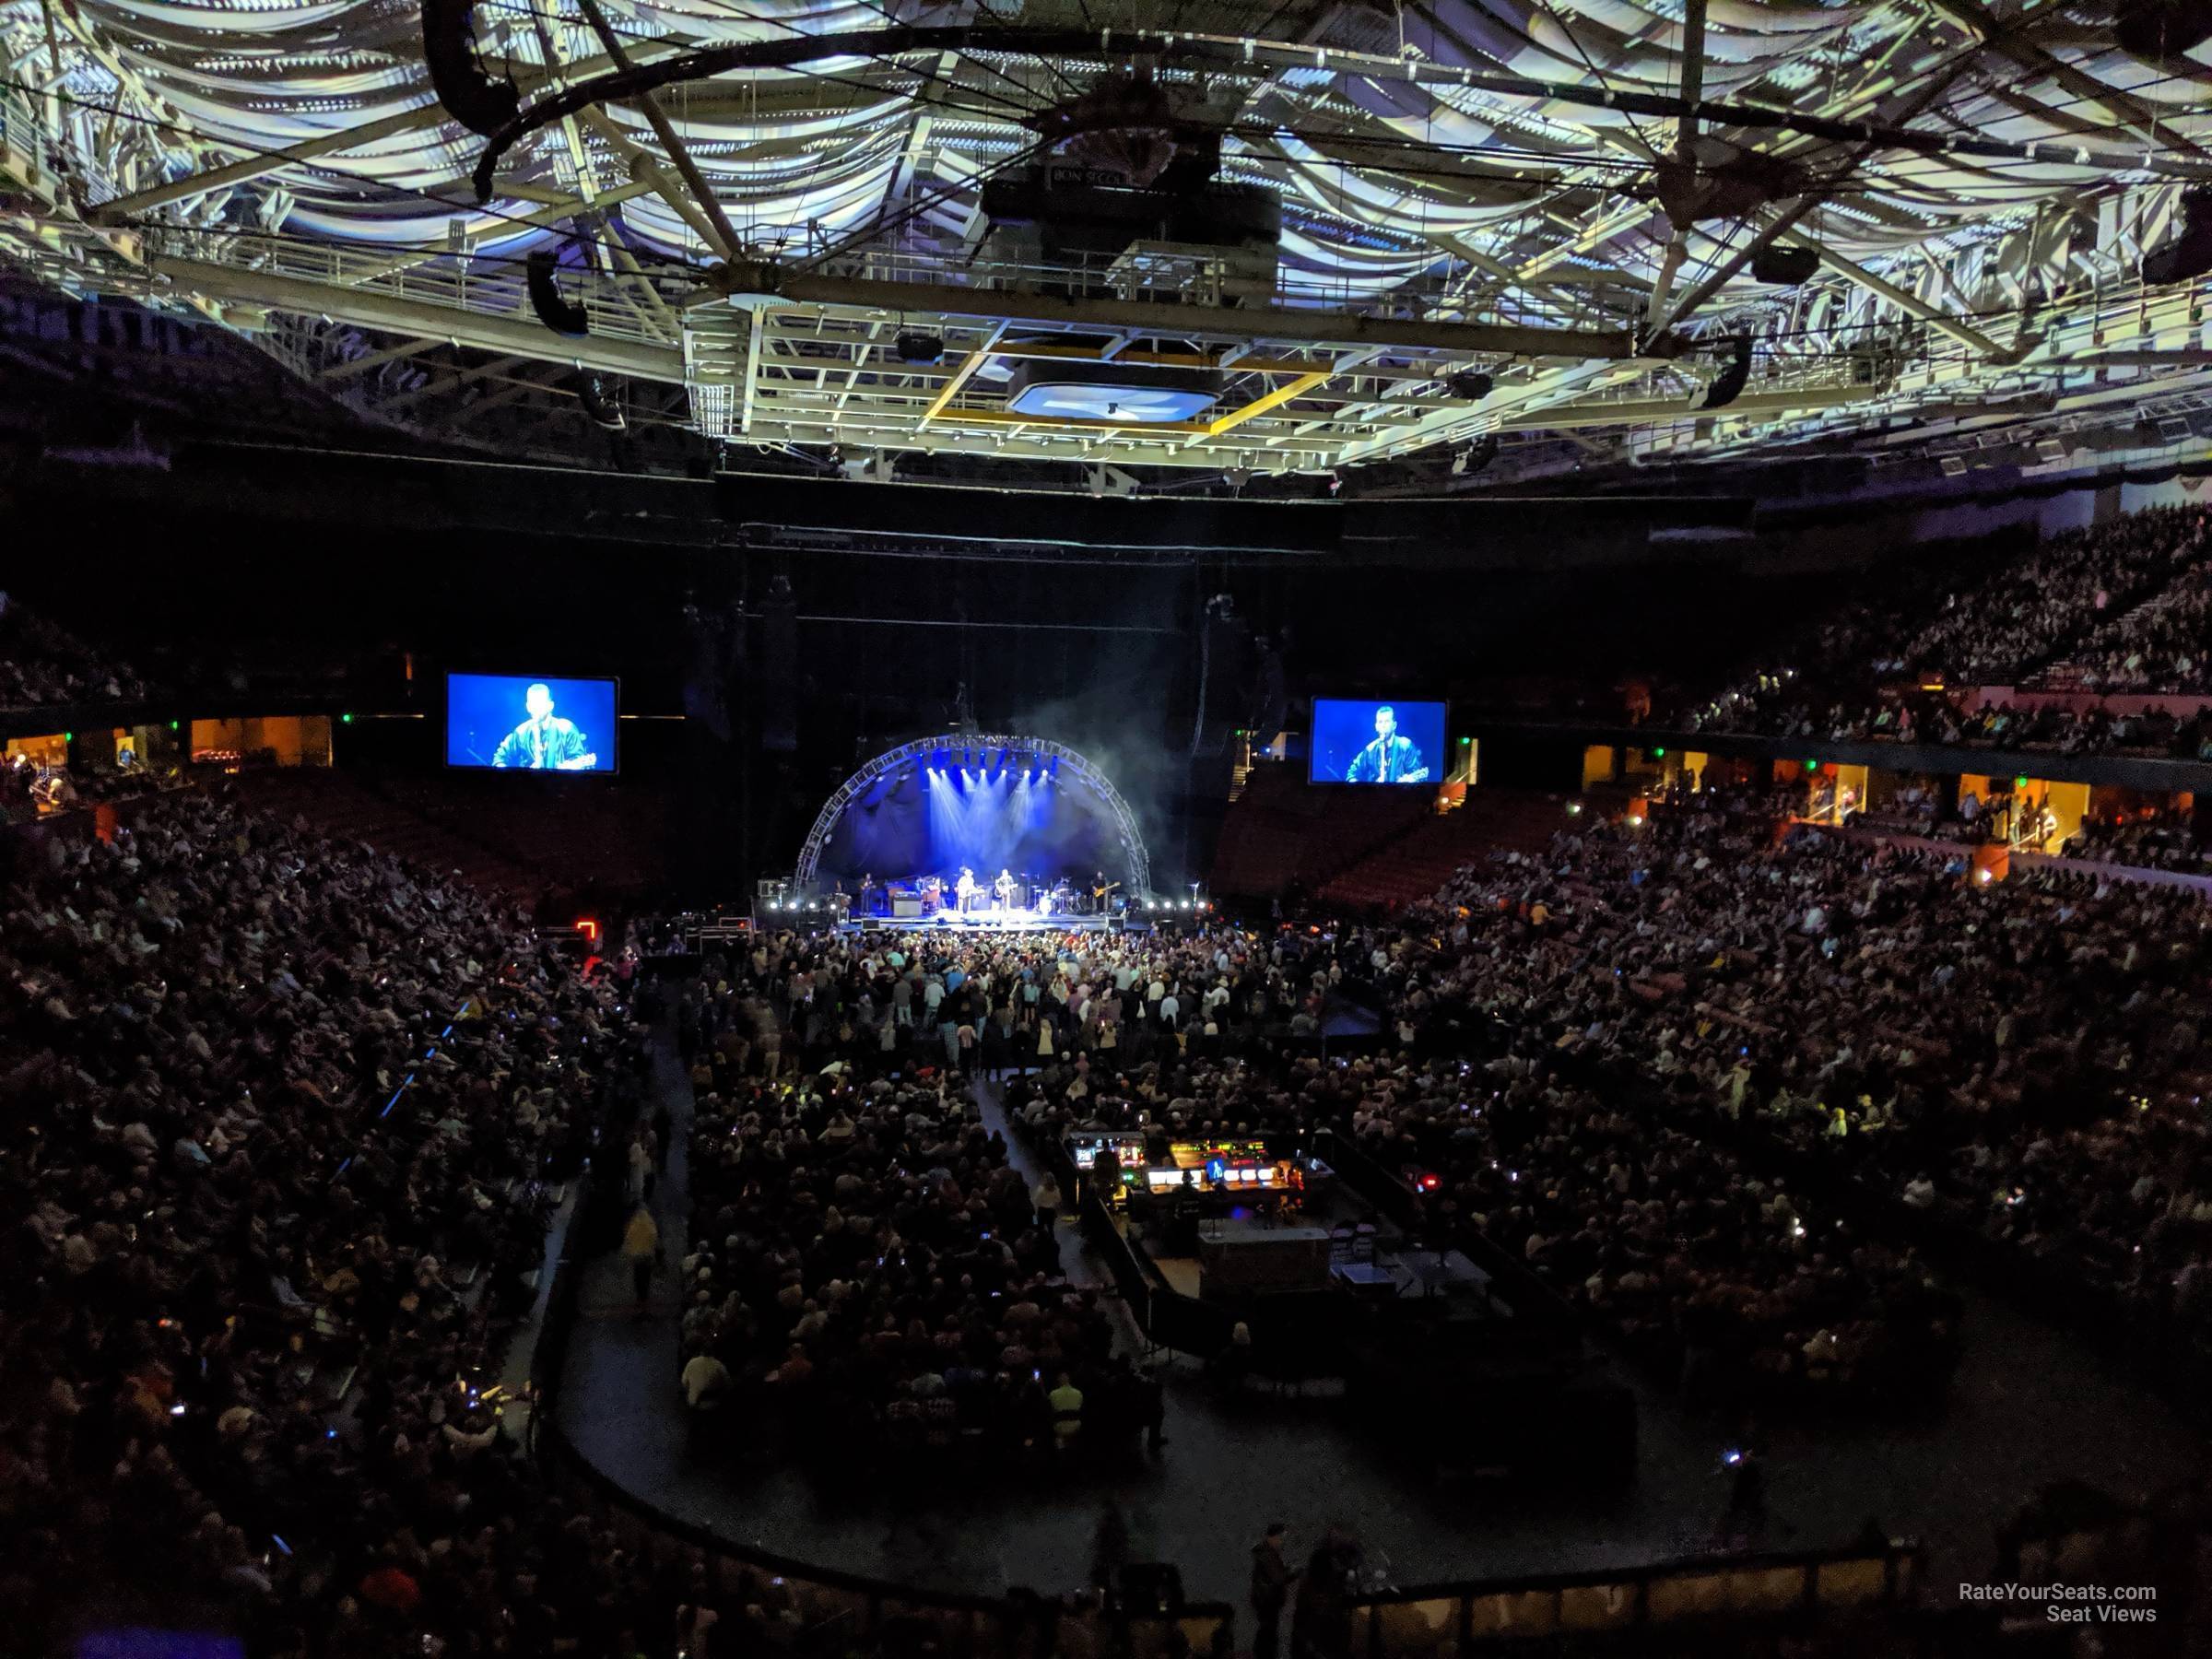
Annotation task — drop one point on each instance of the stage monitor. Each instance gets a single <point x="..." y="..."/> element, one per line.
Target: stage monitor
<point x="1376" y="740"/>
<point x="515" y="722"/>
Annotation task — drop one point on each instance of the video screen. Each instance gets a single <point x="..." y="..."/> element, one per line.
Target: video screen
<point x="1375" y="741"/>
<point x="515" y="723"/>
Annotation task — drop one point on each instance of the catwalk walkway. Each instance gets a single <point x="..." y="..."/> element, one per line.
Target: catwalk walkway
<point x="2029" y="1405"/>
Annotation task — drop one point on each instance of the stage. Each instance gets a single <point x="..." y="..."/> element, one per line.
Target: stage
<point x="995" y="922"/>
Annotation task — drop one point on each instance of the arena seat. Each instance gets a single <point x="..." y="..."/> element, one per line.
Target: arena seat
<point x="1415" y="864"/>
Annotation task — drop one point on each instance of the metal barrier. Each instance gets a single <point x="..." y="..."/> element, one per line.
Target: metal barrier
<point x="1735" y="1591"/>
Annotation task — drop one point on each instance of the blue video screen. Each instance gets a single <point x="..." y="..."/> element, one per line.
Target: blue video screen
<point x="1376" y="740"/>
<point x="514" y="723"/>
<point x="143" y="1644"/>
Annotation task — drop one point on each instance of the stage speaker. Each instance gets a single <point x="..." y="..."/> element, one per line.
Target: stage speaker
<point x="554" y="309"/>
<point x="2162" y="31"/>
<point x="1785" y="267"/>
<point x="1728" y="385"/>
<point x="449" y="52"/>
<point x="778" y="679"/>
<point x="1225" y="676"/>
<point x="712" y="642"/>
<point x="2186" y="254"/>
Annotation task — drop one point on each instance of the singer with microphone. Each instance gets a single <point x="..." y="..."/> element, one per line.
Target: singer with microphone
<point x="544" y="742"/>
<point x="1390" y="758"/>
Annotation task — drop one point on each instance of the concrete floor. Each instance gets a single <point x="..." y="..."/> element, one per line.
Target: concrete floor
<point x="2030" y="1405"/>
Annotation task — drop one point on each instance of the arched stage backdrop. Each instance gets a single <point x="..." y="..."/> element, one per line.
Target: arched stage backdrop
<point x="989" y="802"/>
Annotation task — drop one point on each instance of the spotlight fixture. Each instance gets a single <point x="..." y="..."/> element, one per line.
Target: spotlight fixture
<point x="914" y="347"/>
<point x="601" y="397"/>
<point x="1469" y="385"/>
<point x="1476" y="456"/>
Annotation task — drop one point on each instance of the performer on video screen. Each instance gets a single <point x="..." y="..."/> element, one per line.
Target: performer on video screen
<point x="544" y="742"/>
<point x="1390" y="758"/>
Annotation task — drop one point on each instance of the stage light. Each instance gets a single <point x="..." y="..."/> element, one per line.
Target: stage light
<point x="601" y="398"/>
<point x="1469" y="385"/>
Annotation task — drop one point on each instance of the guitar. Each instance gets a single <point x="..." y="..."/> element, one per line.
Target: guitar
<point x="1100" y="893"/>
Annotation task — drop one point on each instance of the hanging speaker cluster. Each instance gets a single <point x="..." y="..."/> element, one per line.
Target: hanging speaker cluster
<point x="449" y="52"/>
<point x="554" y="309"/>
<point x="2187" y="253"/>
<point x="1728" y="385"/>
<point x="2162" y="31"/>
<point x="1785" y="267"/>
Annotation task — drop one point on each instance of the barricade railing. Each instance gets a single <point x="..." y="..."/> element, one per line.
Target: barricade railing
<point x="1807" y="1586"/>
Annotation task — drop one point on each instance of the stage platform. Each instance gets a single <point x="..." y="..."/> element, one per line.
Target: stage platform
<point x="1006" y="922"/>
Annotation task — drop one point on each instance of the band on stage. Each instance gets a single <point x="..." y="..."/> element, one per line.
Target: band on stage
<point x="963" y="893"/>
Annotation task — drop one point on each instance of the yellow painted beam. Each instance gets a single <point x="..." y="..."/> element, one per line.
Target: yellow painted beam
<point x="1265" y="401"/>
<point x="961" y="376"/>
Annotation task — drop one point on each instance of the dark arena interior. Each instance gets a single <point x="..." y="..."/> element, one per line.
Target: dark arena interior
<point x="1362" y="830"/>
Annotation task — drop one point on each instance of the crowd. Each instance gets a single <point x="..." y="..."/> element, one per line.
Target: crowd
<point x="867" y="1268"/>
<point x="44" y="666"/>
<point x="1929" y="717"/>
<point x="283" y="1118"/>
<point x="280" y="1120"/>
<point x="2145" y="841"/>
<point x="2028" y="613"/>
<point x="2165" y="646"/>
<point x="2076" y="607"/>
<point x="2019" y="1058"/>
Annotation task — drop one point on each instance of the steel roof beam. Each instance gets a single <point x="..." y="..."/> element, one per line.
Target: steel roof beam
<point x="369" y="308"/>
<point x="259" y="166"/>
<point x="1244" y="323"/>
